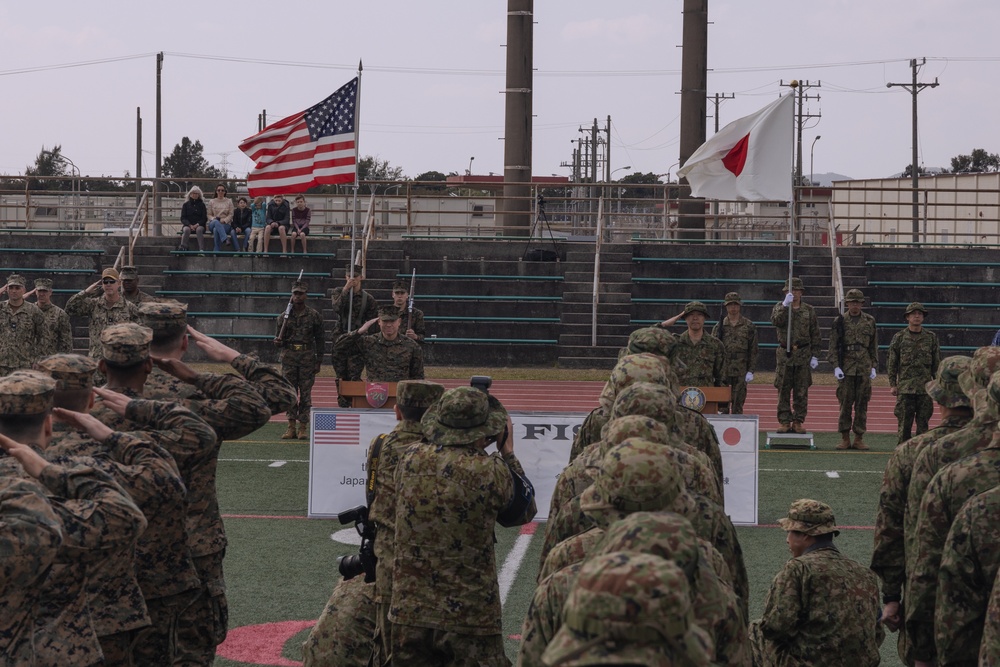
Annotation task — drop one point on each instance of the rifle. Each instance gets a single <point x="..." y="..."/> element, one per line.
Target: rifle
<point x="350" y="297"/>
<point x="409" y="305"/>
<point x="839" y="324"/>
<point x="288" y="312"/>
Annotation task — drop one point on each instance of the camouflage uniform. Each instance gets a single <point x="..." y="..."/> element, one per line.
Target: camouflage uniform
<point x="301" y="354"/>
<point x="364" y="308"/>
<point x="629" y="609"/>
<point x="913" y="362"/>
<point x="383" y="360"/>
<point x="445" y="606"/>
<point x="58" y="334"/>
<point x="343" y="634"/>
<point x="854" y="350"/>
<point x="822" y="608"/>
<point x="969" y="564"/>
<point x="989" y="650"/>
<point x="21" y="331"/>
<point x="740" y="341"/>
<point x="131" y="273"/>
<point x="793" y="374"/>
<point x="101" y="315"/>
<point x="700" y="364"/>
<point x="419" y="326"/>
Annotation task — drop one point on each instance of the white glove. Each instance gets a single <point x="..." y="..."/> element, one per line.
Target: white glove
<point x="788" y="300"/>
<point x="749" y="377"/>
<point x="873" y="374"/>
<point x="813" y="363"/>
<point x="837" y="373"/>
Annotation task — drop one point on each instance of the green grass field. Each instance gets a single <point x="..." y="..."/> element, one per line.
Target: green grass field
<point x="284" y="569"/>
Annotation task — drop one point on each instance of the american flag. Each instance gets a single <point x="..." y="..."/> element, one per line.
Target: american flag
<point x="314" y="147"/>
<point x="337" y="428"/>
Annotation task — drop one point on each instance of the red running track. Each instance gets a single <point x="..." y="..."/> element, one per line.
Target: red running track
<point x="562" y="396"/>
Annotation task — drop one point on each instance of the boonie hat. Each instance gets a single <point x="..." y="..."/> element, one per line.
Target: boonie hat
<point x="634" y="476"/>
<point x="651" y="339"/>
<point x="945" y="389"/>
<point x="462" y="416"/>
<point x="619" y="430"/>
<point x="810" y="517"/>
<point x="665" y="534"/>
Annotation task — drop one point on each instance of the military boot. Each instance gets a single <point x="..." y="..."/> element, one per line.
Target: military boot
<point x="859" y="443"/>
<point x="303" y="431"/>
<point x="290" y="431"/>
<point x="845" y="440"/>
<point x="784" y="427"/>
<point x="797" y="427"/>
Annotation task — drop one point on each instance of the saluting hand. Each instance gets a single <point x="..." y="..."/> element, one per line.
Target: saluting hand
<point x="85" y="422"/>
<point x="176" y="368"/>
<point x="113" y="400"/>
<point x="30" y="460"/>
<point x="216" y="350"/>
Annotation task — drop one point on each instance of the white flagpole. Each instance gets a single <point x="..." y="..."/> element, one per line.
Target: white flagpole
<point x="354" y="205"/>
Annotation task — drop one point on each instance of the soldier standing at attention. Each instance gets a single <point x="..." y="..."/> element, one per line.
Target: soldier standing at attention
<point x="794" y="370"/>
<point x="359" y="309"/>
<point x="22" y="328"/>
<point x="822" y="606"/>
<point x="58" y="334"/>
<point x="914" y="355"/>
<point x="701" y="357"/>
<point x="386" y="356"/>
<point x="854" y="355"/>
<point x="301" y="343"/>
<point x="739" y="336"/>
<point x="130" y="286"/>
<point x="401" y="299"/>
<point x="103" y="309"/>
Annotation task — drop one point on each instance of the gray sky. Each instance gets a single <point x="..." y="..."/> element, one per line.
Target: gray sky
<point x="434" y="71"/>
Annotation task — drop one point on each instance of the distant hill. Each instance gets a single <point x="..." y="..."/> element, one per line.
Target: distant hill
<point x="928" y="171"/>
<point x="827" y="179"/>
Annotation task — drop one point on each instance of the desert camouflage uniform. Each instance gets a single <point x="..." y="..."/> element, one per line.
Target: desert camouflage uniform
<point x="21" y="331"/>
<point x="31" y="535"/>
<point x="101" y="315"/>
<point x="383" y="360"/>
<point x="740" y="341"/>
<point x="364" y="308"/>
<point x="913" y="362"/>
<point x="860" y="356"/>
<point x="343" y="634"/>
<point x="301" y="354"/>
<point x="701" y="364"/>
<point x="989" y="650"/>
<point x="58" y="335"/>
<point x="793" y="374"/>
<point x="969" y="565"/>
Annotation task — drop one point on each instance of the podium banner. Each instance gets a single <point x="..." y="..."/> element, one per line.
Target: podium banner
<point x="339" y="454"/>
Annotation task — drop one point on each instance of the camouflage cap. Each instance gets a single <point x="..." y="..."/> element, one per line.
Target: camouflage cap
<point x="796" y="284"/>
<point x="695" y="307"/>
<point x="418" y="393"/>
<point x="665" y="534"/>
<point x="462" y="416"/>
<point x="651" y="339"/>
<point x="126" y="343"/>
<point x="70" y="371"/>
<point x="43" y="284"/>
<point x="619" y="430"/>
<point x="109" y="273"/>
<point x="913" y="307"/>
<point x="732" y="297"/>
<point x="129" y="273"/>
<point x="628" y="609"/>
<point x="647" y="400"/>
<point x="632" y="368"/>
<point x="854" y="295"/>
<point x="945" y="388"/>
<point x="810" y="517"/>
<point x="15" y="279"/>
<point x="388" y="313"/>
<point x="634" y="476"/>
<point x="401" y="285"/>
<point x="985" y="362"/>
<point x="26" y="392"/>
<point x="300" y="286"/>
<point x="164" y="317"/>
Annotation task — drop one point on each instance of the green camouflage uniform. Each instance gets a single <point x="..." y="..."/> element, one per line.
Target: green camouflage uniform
<point x="740" y="341"/>
<point x="301" y="354"/>
<point x="913" y="362"/>
<point x="21" y="331"/>
<point x="854" y="349"/>
<point x="701" y="364"/>
<point x="419" y="326"/>
<point x="989" y="650"/>
<point x="343" y="634"/>
<point x="793" y="374"/>
<point x="101" y="315"/>
<point x="139" y="297"/>
<point x="364" y="308"/>
<point x="383" y="360"/>
<point x="969" y="565"/>
<point x="58" y="334"/>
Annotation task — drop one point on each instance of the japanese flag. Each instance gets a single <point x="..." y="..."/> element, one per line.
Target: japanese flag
<point x="750" y="159"/>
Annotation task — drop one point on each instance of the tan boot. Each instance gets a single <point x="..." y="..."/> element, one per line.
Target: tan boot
<point x="303" y="431"/>
<point x="845" y="440"/>
<point x="783" y="427"/>
<point x="797" y="427"/>
<point x="290" y="431"/>
<point x="859" y="443"/>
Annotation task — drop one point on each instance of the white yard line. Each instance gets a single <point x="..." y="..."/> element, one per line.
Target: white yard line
<point x="512" y="564"/>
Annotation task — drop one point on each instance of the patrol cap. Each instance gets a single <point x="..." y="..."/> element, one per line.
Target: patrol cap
<point x="126" y="343"/>
<point x="945" y="388"/>
<point x="665" y="534"/>
<point x="129" y="273"/>
<point x="109" y="273"/>
<point x="915" y="306"/>
<point x="695" y="307"/>
<point x="418" y="393"/>
<point x="634" y="476"/>
<point x="810" y="517"/>
<point x="401" y="286"/>
<point x="796" y="284"/>
<point x="70" y="371"/>
<point x="25" y="392"/>
<point x="300" y="286"/>
<point x="164" y="317"/>
<point x="43" y="284"/>
<point x="854" y="295"/>
<point x="388" y="313"/>
<point x="627" y="608"/>
<point x="15" y="279"/>
<point x="462" y="416"/>
<point x="732" y="297"/>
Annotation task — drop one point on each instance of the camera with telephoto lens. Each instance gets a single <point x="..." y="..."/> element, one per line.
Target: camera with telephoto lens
<point x="364" y="561"/>
<point x="481" y="382"/>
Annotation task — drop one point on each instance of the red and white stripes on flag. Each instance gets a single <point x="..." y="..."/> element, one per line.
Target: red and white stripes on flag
<point x="750" y="159"/>
<point x="314" y="147"/>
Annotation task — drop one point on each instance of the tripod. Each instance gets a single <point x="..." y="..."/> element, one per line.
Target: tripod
<point x="541" y="218"/>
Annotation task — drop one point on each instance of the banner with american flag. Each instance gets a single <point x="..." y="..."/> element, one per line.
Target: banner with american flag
<point x="317" y="146"/>
<point x="338" y="428"/>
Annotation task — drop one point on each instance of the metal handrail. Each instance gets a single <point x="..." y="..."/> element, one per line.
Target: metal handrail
<point x="598" y="241"/>
<point x="133" y="231"/>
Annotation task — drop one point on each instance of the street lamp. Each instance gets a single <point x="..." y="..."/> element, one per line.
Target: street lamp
<point x="612" y="177"/>
<point x="670" y="169"/>
<point x="469" y="170"/>
<point x="813" y="146"/>
<point x="74" y="182"/>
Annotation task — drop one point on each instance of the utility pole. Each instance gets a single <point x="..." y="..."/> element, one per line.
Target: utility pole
<point x="694" y="87"/>
<point x="138" y="155"/>
<point x="157" y="199"/>
<point x="799" y="88"/>
<point x="914" y="88"/>
<point x="607" y="151"/>
<point x="517" y="204"/>
<point x="719" y="98"/>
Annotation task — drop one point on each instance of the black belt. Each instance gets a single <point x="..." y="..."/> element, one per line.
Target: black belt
<point x="298" y="347"/>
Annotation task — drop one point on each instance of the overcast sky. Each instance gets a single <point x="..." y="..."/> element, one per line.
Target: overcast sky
<point x="434" y="71"/>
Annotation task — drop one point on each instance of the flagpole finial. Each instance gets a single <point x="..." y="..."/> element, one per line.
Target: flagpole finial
<point x="360" y="68"/>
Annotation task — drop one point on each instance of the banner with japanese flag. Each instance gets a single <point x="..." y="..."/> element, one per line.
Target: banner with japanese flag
<point x="750" y="159"/>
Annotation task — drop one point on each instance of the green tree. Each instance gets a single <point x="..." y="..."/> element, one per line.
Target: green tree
<point x="373" y="168"/>
<point x="428" y="181"/>
<point x="187" y="162"/>
<point x="908" y="172"/>
<point x="640" y="178"/>
<point x="49" y="163"/>
<point x="978" y="161"/>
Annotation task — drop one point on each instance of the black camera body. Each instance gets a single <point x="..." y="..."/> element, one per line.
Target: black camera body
<point x="481" y="382"/>
<point x="364" y="561"/>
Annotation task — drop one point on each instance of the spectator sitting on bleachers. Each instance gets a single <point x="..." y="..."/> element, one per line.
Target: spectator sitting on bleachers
<point x="242" y="221"/>
<point x="258" y="214"/>
<point x="194" y="218"/>
<point x="278" y="219"/>
<point x="220" y="213"/>
<point x="301" y="215"/>
<point x="996" y="339"/>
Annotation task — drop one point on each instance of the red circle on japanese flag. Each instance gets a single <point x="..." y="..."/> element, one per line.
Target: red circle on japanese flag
<point x="731" y="436"/>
